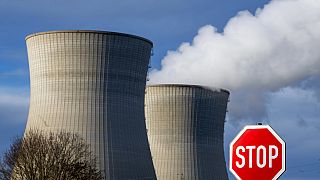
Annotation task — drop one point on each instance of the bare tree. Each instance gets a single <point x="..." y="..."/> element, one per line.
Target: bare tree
<point x="41" y="156"/>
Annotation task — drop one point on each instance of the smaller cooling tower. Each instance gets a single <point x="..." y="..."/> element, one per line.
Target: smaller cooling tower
<point x="185" y="129"/>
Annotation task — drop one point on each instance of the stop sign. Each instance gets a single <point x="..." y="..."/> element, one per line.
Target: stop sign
<point x="257" y="152"/>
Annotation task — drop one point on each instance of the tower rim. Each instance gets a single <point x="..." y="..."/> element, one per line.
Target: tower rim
<point x="189" y="85"/>
<point x="90" y="31"/>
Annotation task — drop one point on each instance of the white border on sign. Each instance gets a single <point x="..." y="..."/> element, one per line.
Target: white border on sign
<point x="274" y="134"/>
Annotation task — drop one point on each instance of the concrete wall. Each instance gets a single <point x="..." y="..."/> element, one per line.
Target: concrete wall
<point x="92" y="83"/>
<point x="185" y="129"/>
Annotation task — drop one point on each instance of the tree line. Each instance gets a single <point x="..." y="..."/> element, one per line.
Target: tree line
<point x="49" y="156"/>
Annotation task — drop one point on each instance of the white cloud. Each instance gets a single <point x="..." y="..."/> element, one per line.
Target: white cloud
<point x="13" y="55"/>
<point x="287" y="108"/>
<point x="255" y="55"/>
<point x="15" y="72"/>
<point x="14" y="105"/>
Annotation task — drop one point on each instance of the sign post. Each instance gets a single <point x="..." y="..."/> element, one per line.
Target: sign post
<point x="257" y="152"/>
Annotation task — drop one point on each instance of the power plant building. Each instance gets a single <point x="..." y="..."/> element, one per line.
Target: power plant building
<point x="185" y="125"/>
<point x="93" y="83"/>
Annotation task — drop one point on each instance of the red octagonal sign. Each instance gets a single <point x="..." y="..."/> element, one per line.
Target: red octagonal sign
<point x="257" y="152"/>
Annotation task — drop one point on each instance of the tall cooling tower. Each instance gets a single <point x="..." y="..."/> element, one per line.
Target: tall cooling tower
<point x="93" y="83"/>
<point x="185" y="126"/>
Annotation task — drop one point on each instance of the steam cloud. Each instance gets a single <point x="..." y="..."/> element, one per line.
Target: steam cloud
<point x="257" y="54"/>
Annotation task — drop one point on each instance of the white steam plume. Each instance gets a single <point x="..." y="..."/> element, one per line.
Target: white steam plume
<point x="256" y="54"/>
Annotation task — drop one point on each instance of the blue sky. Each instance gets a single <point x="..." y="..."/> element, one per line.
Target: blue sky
<point x="292" y="108"/>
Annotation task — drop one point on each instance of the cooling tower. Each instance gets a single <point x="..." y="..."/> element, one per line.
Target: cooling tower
<point x="93" y="83"/>
<point x="185" y="125"/>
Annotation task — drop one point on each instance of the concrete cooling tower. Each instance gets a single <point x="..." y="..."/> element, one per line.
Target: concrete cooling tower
<point x="93" y="83"/>
<point x="185" y="125"/>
